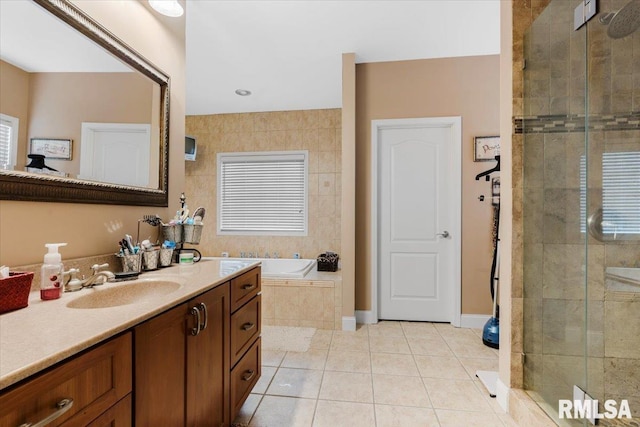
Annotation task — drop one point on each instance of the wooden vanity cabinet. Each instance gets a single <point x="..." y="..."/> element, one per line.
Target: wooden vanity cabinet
<point x="182" y="364"/>
<point x="197" y="363"/>
<point x="98" y="381"/>
<point x="184" y="367"/>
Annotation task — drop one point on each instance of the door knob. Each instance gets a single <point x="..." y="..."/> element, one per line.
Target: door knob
<point x="444" y="234"/>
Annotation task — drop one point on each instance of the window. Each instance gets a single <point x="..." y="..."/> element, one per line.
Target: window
<point x="620" y="218"/>
<point x="8" y="140"/>
<point x="263" y="193"/>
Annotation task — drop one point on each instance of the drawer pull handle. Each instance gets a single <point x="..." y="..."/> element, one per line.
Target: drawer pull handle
<point x="195" y="313"/>
<point x="247" y="326"/>
<point x="203" y="306"/>
<point x="63" y="406"/>
<point x="248" y="286"/>
<point x="248" y="374"/>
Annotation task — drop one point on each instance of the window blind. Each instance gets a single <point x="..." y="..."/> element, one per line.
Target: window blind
<point x="262" y="193"/>
<point x="621" y="193"/>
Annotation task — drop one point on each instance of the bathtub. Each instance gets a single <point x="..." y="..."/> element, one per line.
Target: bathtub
<point x="288" y="297"/>
<point x="285" y="267"/>
<point x="277" y="267"/>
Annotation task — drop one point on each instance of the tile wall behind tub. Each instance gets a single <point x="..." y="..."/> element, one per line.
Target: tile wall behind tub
<point x="318" y="131"/>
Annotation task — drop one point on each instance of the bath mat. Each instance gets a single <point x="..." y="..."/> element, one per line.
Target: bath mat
<point x="286" y="338"/>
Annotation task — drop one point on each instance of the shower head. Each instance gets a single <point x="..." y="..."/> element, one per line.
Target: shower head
<point x="623" y="22"/>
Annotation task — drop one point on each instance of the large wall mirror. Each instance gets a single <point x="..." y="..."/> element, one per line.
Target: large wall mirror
<point x="83" y="117"/>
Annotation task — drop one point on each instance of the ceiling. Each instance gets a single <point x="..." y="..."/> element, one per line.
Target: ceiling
<point x="47" y="44"/>
<point x="289" y="53"/>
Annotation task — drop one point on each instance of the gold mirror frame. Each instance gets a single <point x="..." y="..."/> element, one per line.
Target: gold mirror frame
<point x="17" y="185"/>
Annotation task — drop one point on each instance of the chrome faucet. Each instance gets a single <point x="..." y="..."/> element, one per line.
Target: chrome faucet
<point x="98" y="277"/>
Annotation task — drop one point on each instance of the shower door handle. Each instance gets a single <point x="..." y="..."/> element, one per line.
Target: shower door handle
<point x="444" y="234"/>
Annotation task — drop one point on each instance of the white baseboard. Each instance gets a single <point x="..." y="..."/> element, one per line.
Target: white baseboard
<point x="365" y="317"/>
<point x="502" y="395"/>
<point x="348" y="323"/>
<point x="475" y="321"/>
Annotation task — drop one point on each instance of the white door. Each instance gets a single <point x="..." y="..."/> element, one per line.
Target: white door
<point x="117" y="153"/>
<point x="418" y="219"/>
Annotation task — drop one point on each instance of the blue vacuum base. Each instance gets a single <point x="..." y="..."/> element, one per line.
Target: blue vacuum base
<point x="491" y="333"/>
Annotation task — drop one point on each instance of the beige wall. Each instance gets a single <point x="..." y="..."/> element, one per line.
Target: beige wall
<point x="94" y="229"/>
<point x="466" y="87"/>
<point x="60" y="102"/>
<point x="315" y="130"/>
<point x="14" y="88"/>
<point x="348" y="184"/>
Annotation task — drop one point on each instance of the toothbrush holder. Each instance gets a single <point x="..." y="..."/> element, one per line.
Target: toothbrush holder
<point x="173" y="232"/>
<point x="166" y="256"/>
<point x="131" y="263"/>
<point x="191" y="233"/>
<point x="151" y="259"/>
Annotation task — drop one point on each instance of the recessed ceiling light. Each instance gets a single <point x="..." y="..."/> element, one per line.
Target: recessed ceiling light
<point x="243" y="92"/>
<point x="167" y="7"/>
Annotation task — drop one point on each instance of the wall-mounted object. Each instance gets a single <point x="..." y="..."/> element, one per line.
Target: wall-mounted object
<point x="52" y="148"/>
<point x="190" y="148"/>
<point x="486" y="148"/>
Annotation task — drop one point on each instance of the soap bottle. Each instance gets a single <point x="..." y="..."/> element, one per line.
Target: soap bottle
<point x="51" y="279"/>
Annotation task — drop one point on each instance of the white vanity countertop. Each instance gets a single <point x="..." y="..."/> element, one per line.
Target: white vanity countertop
<point x="46" y="332"/>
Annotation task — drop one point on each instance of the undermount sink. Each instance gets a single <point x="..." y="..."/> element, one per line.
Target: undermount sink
<point x="136" y="292"/>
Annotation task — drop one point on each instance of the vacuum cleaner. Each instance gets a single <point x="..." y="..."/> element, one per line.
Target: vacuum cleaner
<point x="491" y="330"/>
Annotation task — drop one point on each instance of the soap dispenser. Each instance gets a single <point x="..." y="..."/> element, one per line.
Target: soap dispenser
<point x="52" y="269"/>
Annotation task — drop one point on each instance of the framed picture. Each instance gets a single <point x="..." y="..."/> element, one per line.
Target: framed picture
<point x="51" y="148"/>
<point x="486" y="148"/>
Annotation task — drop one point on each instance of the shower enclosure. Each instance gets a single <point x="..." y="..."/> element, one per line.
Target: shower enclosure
<point x="581" y="207"/>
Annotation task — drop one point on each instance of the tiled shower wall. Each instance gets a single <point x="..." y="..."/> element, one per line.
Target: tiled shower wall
<point x="318" y="131"/>
<point x="524" y="13"/>
<point x="555" y="256"/>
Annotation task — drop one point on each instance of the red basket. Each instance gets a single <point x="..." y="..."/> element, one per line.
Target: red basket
<point x="14" y="291"/>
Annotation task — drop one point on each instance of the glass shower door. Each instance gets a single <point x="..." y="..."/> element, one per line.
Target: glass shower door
<point x="613" y="206"/>
<point x="581" y="207"/>
<point x="554" y="186"/>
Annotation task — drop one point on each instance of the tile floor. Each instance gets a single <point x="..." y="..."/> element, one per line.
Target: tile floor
<point x="383" y="375"/>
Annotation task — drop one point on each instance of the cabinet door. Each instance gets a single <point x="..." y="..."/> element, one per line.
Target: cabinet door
<point x="160" y="369"/>
<point x="208" y="357"/>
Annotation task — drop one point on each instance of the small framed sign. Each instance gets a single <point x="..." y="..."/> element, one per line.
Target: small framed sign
<point x="486" y="148"/>
<point x="51" y="148"/>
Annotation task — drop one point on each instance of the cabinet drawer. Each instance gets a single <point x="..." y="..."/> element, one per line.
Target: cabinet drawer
<point x="245" y="327"/>
<point x="244" y="377"/>
<point x="95" y="380"/>
<point x="244" y="287"/>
